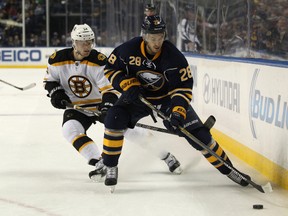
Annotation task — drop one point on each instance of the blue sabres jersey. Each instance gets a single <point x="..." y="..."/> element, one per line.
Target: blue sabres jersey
<point x="164" y="76"/>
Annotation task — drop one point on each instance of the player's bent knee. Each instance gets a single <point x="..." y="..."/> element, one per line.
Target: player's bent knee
<point x="203" y="135"/>
<point x="117" y="118"/>
<point x="71" y="129"/>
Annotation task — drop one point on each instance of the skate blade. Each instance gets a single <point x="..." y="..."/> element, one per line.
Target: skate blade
<point x="97" y="178"/>
<point x="178" y="170"/>
<point x="267" y="188"/>
<point x="112" y="188"/>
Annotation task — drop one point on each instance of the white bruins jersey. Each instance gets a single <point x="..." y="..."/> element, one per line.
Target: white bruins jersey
<point x="83" y="81"/>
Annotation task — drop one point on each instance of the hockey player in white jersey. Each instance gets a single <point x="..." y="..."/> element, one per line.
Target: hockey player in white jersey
<point x="76" y="75"/>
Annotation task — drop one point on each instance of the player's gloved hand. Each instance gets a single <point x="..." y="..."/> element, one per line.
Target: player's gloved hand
<point x="57" y="97"/>
<point x="108" y="100"/>
<point x="177" y="119"/>
<point x="103" y="108"/>
<point x="131" y="90"/>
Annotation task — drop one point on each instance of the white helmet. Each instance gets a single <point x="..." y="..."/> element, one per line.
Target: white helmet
<point x="82" y="33"/>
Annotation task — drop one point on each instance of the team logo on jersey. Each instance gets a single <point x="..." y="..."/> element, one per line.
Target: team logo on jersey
<point x="53" y="55"/>
<point x="101" y="56"/>
<point x="149" y="64"/>
<point x="80" y="86"/>
<point x="150" y="80"/>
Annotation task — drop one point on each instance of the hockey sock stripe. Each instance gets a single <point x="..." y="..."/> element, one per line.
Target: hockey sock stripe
<point x="110" y="148"/>
<point x="113" y="152"/>
<point x="81" y="141"/>
<point x="113" y="138"/>
<point x="211" y="146"/>
<point x="113" y="142"/>
<point x="111" y="133"/>
<point x="212" y="159"/>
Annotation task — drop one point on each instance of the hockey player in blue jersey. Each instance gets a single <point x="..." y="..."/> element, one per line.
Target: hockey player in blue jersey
<point x="76" y="75"/>
<point x="154" y="68"/>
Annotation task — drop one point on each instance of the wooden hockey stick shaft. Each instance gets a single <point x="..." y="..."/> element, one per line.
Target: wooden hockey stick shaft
<point x="17" y="87"/>
<point x="263" y="189"/>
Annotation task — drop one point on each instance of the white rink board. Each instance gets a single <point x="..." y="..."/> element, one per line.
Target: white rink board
<point x="249" y="102"/>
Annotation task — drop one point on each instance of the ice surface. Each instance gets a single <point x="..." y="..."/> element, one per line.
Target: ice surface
<point x="42" y="174"/>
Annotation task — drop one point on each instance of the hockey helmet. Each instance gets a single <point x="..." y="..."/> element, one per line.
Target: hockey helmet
<point x="82" y="32"/>
<point x="153" y="25"/>
<point x="189" y="7"/>
<point x="150" y="7"/>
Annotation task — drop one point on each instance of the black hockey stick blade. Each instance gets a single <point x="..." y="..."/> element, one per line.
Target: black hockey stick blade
<point x="209" y="123"/>
<point x="20" y="88"/>
<point x="264" y="189"/>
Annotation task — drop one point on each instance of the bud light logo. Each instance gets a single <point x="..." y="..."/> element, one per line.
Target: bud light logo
<point x="20" y="55"/>
<point x="270" y="109"/>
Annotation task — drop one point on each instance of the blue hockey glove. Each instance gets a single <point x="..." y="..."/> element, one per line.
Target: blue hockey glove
<point x="177" y="119"/>
<point x="131" y="90"/>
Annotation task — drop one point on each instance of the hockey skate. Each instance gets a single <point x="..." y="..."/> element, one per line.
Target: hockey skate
<point x="99" y="172"/>
<point x="111" y="177"/>
<point x="173" y="164"/>
<point x="238" y="179"/>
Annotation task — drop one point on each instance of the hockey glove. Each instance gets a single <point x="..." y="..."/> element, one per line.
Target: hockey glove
<point x="103" y="108"/>
<point x="177" y="119"/>
<point x="57" y="97"/>
<point x="131" y="90"/>
<point x="108" y="101"/>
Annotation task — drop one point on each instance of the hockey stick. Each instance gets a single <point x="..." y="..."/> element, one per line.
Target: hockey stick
<point x="264" y="189"/>
<point x="20" y="88"/>
<point x="149" y="127"/>
<point x="98" y="113"/>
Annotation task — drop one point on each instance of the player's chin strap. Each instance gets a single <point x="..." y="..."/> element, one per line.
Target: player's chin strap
<point x="264" y="189"/>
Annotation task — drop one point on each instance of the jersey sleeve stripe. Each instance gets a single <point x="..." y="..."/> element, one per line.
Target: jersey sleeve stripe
<point x="182" y="96"/>
<point x="105" y="88"/>
<point x="114" y="75"/>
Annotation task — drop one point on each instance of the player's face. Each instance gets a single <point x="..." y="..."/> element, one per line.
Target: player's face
<point x="84" y="47"/>
<point x="149" y="12"/>
<point x="154" y="42"/>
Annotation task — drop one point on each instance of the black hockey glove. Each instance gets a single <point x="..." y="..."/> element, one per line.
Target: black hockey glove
<point x="103" y="108"/>
<point x="57" y="97"/>
<point x="131" y="90"/>
<point x="108" y="101"/>
<point x="177" y="119"/>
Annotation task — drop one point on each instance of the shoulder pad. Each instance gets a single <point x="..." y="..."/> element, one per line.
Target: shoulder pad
<point x="97" y="58"/>
<point x="60" y="55"/>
